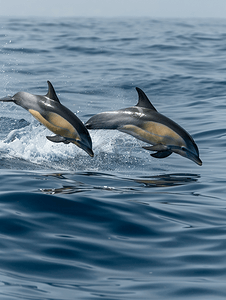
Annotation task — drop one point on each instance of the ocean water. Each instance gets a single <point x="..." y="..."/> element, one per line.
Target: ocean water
<point x="121" y="225"/>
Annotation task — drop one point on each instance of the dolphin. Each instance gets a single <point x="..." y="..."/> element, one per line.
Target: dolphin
<point x="56" y="117"/>
<point x="145" y="123"/>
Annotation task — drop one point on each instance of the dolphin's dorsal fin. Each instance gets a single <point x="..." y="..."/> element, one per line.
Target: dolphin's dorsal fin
<point x="51" y="92"/>
<point x="143" y="100"/>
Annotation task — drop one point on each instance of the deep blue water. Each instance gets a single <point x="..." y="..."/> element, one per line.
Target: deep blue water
<point x="121" y="225"/>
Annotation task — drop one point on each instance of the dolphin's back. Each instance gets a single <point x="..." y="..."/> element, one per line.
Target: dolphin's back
<point x="117" y="119"/>
<point x="132" y="115"/>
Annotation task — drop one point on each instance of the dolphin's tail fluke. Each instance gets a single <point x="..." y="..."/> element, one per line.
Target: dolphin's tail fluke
<point x="7" y="99"/>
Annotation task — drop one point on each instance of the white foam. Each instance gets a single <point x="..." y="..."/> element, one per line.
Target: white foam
<point x="30" y="143"/>
<point x="112" y="150"/>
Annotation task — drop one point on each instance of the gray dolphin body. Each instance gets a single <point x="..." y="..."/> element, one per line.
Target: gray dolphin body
<point x="52" y="114"/>
<point x="146" y="124"/>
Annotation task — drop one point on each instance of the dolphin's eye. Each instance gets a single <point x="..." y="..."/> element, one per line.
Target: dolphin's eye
<point x="183" y="148"/>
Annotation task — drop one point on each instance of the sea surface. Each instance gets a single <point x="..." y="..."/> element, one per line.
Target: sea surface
<point x="121" y="225"/>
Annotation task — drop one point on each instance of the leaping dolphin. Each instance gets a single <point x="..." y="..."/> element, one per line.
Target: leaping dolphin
<point x="145" y="123"/>
<point x="56" y="117"/>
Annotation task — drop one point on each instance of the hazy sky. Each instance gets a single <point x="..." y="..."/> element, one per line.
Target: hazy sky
<point x="114" y="8"/>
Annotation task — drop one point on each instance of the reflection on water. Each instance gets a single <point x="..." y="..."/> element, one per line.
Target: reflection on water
<point x="75" y="186"/>
<point x="63" y="190"/>
<point x="168" y="180"/>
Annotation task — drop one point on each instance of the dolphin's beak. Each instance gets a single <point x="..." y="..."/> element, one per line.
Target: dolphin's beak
<point x="7" y="99"/>
<point x="85" y="148"/>
<point x="186" y="153"/>
<point x="190" y="155"/>
<point x="89" y="151"/>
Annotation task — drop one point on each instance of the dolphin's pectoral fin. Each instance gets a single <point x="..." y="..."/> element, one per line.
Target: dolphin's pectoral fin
<point x="58" y="139"/>
<point x="162" y="150"/>
<point x="161" y="154"/>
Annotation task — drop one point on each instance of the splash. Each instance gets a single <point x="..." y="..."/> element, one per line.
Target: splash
<point x="113" y="150"/>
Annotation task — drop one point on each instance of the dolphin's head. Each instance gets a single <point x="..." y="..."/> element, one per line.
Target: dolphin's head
<point x="85" y="144"/>
<point x="84" y="147"/>
<point x="188" y="150"/>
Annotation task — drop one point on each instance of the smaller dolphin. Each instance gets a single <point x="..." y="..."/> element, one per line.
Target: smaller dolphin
<point x="52" y="114"/>
<point x="145" y="123"/>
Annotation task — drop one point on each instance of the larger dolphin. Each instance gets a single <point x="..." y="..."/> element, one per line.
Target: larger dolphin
<point x="145" y="123"/>
<point x="52" y="114"/>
